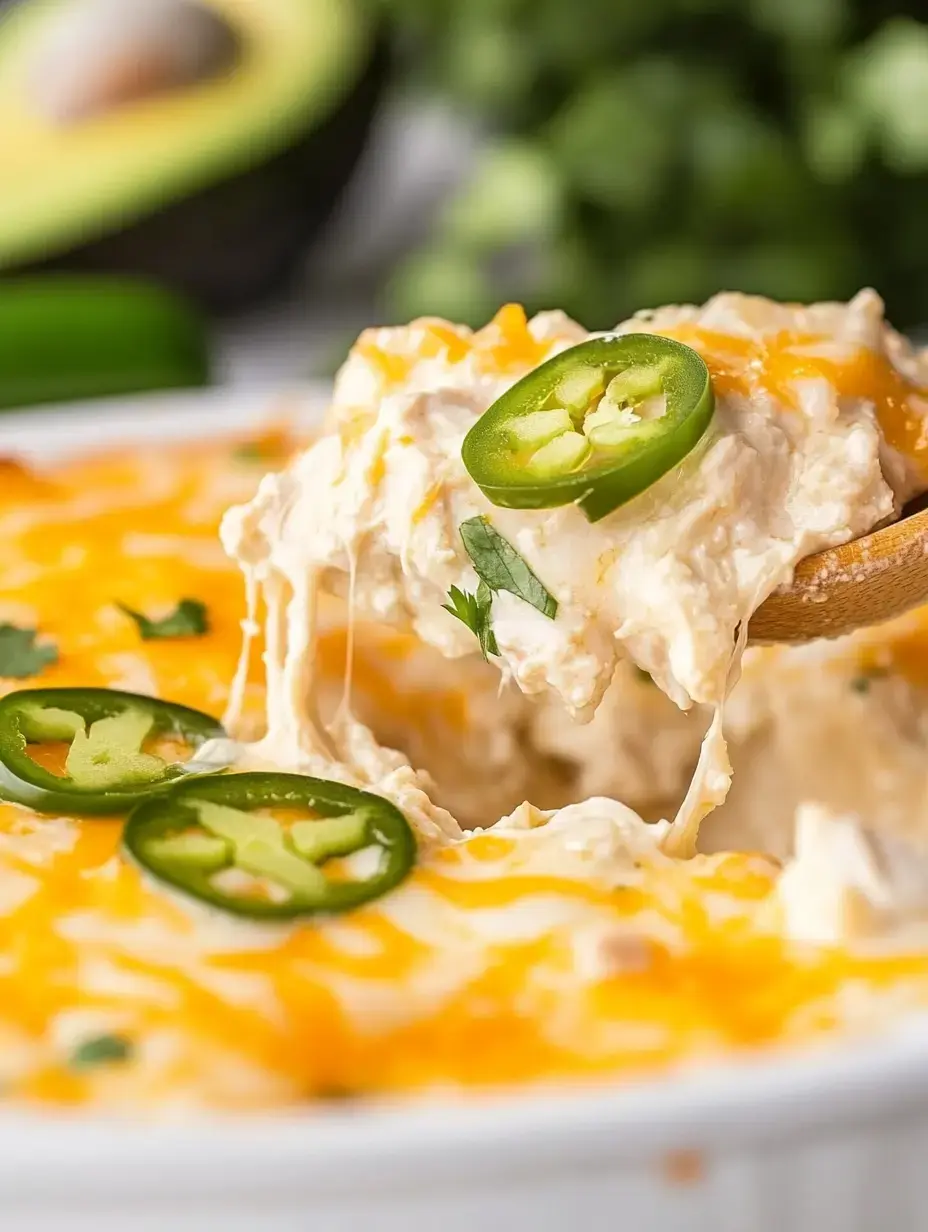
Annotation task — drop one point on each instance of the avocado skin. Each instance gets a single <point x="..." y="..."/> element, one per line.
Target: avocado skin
<point x="237" y="242"/>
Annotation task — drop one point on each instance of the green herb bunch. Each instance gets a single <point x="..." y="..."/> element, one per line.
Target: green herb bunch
<point x="654" y="151"/>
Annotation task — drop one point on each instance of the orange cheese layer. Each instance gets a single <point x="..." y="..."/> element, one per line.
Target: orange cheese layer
<point x="505" y="344"/>
<point x="743" y="366"/>
<point x="469" y="974"/>
<point x="738" y="365"/>
<point x="900" y="647"/>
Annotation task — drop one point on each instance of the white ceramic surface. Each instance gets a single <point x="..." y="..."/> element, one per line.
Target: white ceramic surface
<point x="833" y="1141"/>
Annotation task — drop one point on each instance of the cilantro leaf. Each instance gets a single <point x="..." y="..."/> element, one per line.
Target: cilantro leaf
<point x="271" y="445"/>
<point x="862" y="683"/>
<point x="501" y="567"/>
<point x="20" y="657"/>
<point x="248" y="451"/>
<point x="101" y="1050"/>
<point x="463" y="605"/>
<point x="189" y="619"/>
<point x="485" y="634"/>
<point x="474" y="611"/>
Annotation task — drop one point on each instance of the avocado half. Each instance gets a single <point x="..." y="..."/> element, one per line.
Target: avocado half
<point x="213" y="189"/>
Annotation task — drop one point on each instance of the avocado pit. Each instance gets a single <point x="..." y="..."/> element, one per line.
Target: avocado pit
<point x="215" y="188"/>
<point x="104" y="54"/>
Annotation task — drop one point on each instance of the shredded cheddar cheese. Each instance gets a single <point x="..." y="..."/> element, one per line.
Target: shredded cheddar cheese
<point x="778" y="362"/>
<point x="468" y="975"/>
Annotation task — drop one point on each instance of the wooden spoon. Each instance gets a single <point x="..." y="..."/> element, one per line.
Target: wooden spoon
<point x="861" y="583"/>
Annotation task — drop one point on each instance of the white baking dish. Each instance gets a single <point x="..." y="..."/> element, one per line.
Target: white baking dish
<point x="832" y="1141"/>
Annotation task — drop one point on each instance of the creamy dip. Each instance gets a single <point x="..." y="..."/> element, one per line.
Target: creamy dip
<point x="564" y="942"/>
<point x="812" y="444"/>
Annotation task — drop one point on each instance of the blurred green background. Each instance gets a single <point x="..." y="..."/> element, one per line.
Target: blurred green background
<point x="645" y="153"/>
<point x="295" y="169"/>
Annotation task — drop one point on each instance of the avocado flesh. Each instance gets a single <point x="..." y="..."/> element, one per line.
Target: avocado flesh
<point x="213" y="191"/>
<point x="239" y="241"/>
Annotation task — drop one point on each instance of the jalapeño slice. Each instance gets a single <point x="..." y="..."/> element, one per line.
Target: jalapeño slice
<point x="596" y="425"/>
<point x="107" y="769"/>
<point x="218" y="841"/>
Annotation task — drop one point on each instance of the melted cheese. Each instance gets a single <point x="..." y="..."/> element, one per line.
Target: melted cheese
<point x="777" y="363"/>
<point x="668" y="579"/>
<point x="550" y="948"/>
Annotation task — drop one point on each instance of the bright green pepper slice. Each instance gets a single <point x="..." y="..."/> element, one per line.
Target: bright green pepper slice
<point x="595" y="425"/>
<point x="107" y="769"/>
<point x="207" y="838"/>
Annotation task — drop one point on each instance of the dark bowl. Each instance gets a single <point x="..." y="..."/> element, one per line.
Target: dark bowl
<point x="240" y="240"/>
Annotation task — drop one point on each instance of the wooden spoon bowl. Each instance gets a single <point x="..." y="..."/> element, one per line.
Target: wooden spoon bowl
<point x="865" y="582"/>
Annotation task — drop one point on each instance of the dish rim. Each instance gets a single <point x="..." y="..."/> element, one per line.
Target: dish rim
<point x="742" y="1099"/>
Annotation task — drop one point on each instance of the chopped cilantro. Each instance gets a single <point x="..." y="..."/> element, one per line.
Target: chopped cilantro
<point x="474" y="611"/>
<point x="861" y="683"/>
<point x="248" y="451"/>
<point x="501" y="567"/>
<point x="270" y="446"/>
<point x="101" y="1050"/>
<point x="189" y="619"/>
<point x="20" y="657"/>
